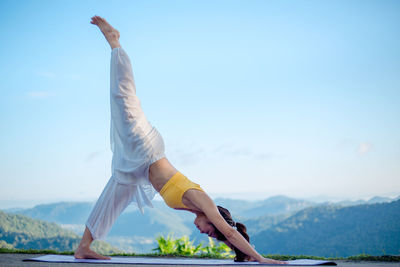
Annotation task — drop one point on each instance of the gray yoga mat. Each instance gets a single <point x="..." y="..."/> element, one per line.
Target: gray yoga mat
<point x="167" y="261"/>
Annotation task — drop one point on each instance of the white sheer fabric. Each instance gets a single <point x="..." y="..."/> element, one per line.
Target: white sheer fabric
<point x="135" y="145"/>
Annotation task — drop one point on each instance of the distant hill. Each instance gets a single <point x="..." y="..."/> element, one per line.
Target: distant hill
<point x="372" y="200"/>
<point x="236" y="206"/>
<point x="277" y="205"/>
<point x="152" y="222"/>
<point x="335" y="231"/>
<point x="255" y="226"/>
<point x="61" y="212"/>
<point x="21" y="232"/>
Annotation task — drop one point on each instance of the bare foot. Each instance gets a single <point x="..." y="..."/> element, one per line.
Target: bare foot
<point x="87" y="253"/>
<point x="111" y="34"/>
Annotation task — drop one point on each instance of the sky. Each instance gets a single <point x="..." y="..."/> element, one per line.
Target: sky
<point x="253" y="98"/>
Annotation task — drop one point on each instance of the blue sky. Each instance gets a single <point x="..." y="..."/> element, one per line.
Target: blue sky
<point x="253" y="98"/>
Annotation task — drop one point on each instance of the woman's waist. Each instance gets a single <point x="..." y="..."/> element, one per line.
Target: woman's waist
<point x="160" y="172"/>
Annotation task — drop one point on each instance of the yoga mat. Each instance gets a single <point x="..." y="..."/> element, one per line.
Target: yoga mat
<point x="168" y="261"/>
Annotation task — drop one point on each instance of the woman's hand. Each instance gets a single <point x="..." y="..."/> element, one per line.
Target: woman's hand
<point x="271" y="261"/>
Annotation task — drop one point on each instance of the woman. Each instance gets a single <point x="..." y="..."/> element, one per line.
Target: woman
<point x="140" y="168"/>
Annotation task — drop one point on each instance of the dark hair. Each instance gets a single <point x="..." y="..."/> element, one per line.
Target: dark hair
<point x="241" y="228"/>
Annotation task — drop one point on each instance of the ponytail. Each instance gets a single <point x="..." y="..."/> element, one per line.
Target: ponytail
<point x="241" y="228"/>
<point x="240" y="256"/>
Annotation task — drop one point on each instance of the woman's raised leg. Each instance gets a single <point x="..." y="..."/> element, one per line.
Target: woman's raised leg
<point x="111" y="34"/>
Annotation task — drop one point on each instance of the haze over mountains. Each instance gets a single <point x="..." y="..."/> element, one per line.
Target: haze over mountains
<point x="276" y="225"/>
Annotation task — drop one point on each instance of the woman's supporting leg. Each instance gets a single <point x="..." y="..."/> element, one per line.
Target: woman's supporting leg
<point x="111" y="203"/>
<point x="84" y="252"/>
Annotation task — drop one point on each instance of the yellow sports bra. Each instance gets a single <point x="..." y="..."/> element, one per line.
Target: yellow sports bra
<point x="172" y="192"/>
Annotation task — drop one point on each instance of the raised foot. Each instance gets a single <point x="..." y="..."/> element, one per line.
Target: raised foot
<point x="89" y="254"/>
<point x="111" y="34"/>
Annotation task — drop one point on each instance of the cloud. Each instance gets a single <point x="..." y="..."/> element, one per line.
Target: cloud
<point x="39" y="94"/>
<point x="188" y="156"/>
<point x="353" y="146"/>
<point x="192" y="153"/>
<point x="92" y="156"/>
<point x="364" y="148"/>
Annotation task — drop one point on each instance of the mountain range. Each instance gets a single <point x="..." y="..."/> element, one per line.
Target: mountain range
<point x="276" y="225"/>
<point x="334" y="231"/>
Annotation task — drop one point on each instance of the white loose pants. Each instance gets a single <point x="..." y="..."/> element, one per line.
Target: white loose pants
<point x="135" y="144"/>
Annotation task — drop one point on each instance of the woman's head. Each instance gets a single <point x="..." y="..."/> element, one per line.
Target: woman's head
<point x="205" y="226"/>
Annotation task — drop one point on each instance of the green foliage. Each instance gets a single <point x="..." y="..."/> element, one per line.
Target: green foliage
<point x="221" y="250"/>
<point x="184" y="247"/>
<point x="363" y="257"/>
<point x="5" y="245"/>
<point x="30" y="227"/>
<point x="165" y="245"/>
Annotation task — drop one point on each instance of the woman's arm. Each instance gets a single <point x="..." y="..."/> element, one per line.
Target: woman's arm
<point x="207" y="206"/>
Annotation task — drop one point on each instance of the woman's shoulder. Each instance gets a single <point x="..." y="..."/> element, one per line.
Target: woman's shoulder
<point x="197" y="200"/>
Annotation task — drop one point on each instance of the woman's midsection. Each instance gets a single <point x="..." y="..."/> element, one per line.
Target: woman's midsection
<point x="160" y="172"/>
